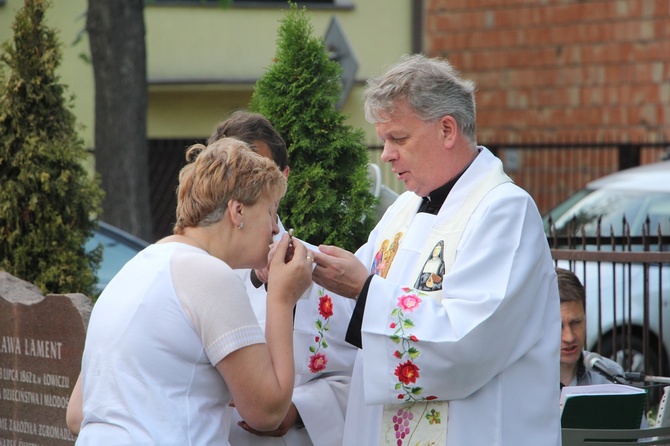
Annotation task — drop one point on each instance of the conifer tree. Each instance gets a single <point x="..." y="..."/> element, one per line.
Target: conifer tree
<point x="328" y="198"/>
<point x="47" y="198"/>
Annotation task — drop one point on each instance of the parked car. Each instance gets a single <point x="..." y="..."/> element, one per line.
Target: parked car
<point x="118" y="246"/>
<point x="614" y="292"/>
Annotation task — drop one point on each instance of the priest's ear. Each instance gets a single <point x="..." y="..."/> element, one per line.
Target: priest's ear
<point x="449" y="130"/>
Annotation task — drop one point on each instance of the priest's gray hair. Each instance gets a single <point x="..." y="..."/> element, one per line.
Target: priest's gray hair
<point x="430" y="86"/>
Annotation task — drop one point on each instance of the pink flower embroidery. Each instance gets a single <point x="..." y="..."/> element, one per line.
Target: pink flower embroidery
<point x="409" y="302"/>
<point x="318" y="361"/>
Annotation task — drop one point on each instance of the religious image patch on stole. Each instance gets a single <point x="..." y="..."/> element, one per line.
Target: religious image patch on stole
<point x="385" y="255"/>
<point x="432" y="273"/>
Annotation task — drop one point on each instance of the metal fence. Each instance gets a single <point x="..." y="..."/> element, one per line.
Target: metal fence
<point x="627" y="281"/>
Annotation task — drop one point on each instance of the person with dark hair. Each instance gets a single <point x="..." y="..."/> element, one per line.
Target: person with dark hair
<point x="257" y="131"/>
<point x="173" y="336"/>
<point x="323" y="367"/>
<point x="573" y="334"/>
<point x="465" y="353"/>
<point x="573" y="337"/>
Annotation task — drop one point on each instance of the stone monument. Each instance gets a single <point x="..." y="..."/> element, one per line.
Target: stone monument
<point x="41" y="344"/>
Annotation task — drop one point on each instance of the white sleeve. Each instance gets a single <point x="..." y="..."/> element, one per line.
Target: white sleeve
<point x="322" y="405"/>
<point x="215" y="300"/>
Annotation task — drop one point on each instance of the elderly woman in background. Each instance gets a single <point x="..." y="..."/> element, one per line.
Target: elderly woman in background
<point x="173" y="337"/>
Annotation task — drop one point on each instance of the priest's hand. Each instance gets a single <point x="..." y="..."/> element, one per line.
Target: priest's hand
<point x="339" y="271"/>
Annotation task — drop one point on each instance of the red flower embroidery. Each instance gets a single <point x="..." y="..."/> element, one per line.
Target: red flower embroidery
<point x="325" y="306"/>
<point x="407" y="372"/>
<point x="317" y="362"/>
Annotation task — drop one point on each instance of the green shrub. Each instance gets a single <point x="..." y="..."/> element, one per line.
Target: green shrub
<point x="46" y="196"/>
<point x="328" y="199"/>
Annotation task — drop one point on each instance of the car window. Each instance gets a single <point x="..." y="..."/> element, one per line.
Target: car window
<point x="612" y="206"/>
<point x="115" y="255"/>
<point x="562" y="208"/>
<point x="659" y="215"/>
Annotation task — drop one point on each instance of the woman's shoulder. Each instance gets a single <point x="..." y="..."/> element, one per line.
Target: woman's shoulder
<point x="199" y="262"/>
<point x="195" y="272"/>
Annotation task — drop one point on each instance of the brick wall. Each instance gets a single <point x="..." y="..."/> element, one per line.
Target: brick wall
<point x="595" y="71"/>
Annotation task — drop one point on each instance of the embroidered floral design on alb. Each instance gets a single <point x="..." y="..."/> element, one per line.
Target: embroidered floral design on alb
<point x="317" y="362"/>
<point x="318" y="359"/>
<point x="414" y="420"/>
<point x="407" y="371"/>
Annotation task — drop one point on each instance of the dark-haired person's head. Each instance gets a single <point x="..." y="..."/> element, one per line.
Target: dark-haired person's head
<point x="257" y="131"/>
<point x="573" y="322"/>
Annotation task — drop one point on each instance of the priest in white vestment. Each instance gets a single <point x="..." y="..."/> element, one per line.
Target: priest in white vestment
<point x="459" y="335"/>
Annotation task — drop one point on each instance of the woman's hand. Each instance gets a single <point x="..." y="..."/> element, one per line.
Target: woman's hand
<point x="290" y="275"/>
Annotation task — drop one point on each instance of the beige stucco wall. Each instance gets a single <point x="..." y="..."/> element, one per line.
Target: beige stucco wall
<point x="236" y="45"/>
<point x="203" y="60"/>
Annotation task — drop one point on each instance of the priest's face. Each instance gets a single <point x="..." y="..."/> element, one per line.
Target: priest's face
<point x="573" y="333"/>
<point x="415" y="149"/>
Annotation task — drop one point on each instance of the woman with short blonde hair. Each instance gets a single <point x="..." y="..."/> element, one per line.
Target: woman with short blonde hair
<point x="173" y="338"/>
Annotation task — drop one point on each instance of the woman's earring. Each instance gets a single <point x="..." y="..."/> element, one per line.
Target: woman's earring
<point x="241" y="225"/>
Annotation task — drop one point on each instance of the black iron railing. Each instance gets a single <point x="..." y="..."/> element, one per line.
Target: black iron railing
<point x="627" y="280"/>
